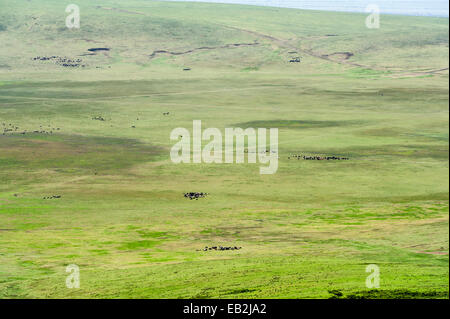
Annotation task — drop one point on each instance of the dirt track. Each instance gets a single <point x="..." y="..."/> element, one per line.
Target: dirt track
<point x="227" y="46"/>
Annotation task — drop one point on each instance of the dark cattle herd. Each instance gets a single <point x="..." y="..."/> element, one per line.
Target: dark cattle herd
<point x="195" y="195"/>
<point x="219" y="248"/>
<point x="62" y="61"/>
<point x="69" y="62"/>
<point x="52" y="197"/>
<point x="318" y="158"/>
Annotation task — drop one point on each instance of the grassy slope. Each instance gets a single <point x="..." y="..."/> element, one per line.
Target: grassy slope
<point x="311" y="228"/>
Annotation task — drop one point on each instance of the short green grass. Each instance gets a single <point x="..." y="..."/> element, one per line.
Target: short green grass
<point x="308" y="231"/>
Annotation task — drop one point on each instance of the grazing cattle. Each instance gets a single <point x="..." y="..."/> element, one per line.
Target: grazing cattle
<point x="318" y="158"/>
<point x="220" y="248"/>
<point x="195" y="195"/>
<point x="52" y="197"/>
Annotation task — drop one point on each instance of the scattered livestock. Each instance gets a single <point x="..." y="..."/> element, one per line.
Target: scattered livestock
<point x="295" y="60"/>
<point x="62" y="61"/>
<point x="10" y="129"/>
<point x="99" y="118"/>
<point x="166" y="113"/>
<point x="52" y="197"/>
<point x="318" y="158"/>
<point x="195" y="195"/>
<point x="219" y="248"/>
<point x="44" y="58"/>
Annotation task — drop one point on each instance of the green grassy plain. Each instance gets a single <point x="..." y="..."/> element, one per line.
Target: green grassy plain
<point x="308" y="231"/>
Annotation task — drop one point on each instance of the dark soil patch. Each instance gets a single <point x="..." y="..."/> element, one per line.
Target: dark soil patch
<point x="69" y="152"/>
<point x="240" y="291"/>
<point x="98" y="49"/>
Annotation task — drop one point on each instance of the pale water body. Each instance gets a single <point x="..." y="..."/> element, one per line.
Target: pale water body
<point x="436" y="8"/>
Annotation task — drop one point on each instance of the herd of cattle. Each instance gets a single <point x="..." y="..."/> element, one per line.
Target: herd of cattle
<point x="11" y="129"/>
<point x="52" y="197"/>
<point x="195" y="195"/>
<point x="219" y="248"/>
<point x="66" y="62"/>
<point x="318" y="158"/>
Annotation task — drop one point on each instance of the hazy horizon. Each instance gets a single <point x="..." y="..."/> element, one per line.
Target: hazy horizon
<point x="437" y="8"/>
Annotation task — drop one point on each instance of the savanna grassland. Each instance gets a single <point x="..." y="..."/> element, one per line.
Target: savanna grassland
<point x="377" y="96"/>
